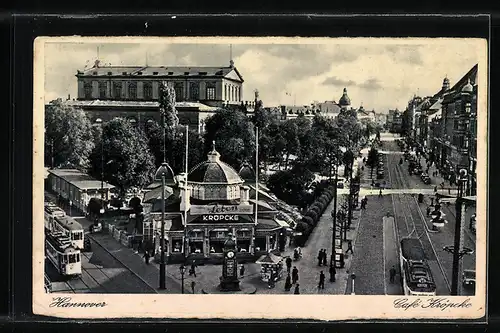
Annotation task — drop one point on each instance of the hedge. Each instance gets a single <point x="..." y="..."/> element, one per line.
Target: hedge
<point x="314" y="212"/>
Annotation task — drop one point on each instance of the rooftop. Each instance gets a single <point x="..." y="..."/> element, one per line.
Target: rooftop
<point x="158" y="71"/>
<point x="79" y="179"/>
<point x="138" y="104"/>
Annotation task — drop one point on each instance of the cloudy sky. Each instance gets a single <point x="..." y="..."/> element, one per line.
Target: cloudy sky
<point x="379" y="75"/>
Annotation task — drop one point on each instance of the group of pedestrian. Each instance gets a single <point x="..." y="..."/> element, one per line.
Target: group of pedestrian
<point x="322" y="257"/>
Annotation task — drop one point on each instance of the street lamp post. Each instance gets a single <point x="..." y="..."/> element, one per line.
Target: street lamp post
<point x="161" y="174"/>
<point x="353" y="277"/>
<point x="458" y="241"/>
<point x="334" y="230"/>
<point x="182" y="270"/>
<point x="99" y="121"/>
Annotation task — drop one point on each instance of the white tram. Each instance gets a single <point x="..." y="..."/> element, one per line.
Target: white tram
<point x="59" y="224"/>
<point x="65" y="258"/>
<point x="416" y="274"/>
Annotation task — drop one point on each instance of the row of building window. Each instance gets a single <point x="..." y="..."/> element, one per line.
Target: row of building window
<point x="194" y="91"/>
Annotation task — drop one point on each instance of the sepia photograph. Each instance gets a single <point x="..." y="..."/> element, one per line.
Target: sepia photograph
<point x="249" y="167"/>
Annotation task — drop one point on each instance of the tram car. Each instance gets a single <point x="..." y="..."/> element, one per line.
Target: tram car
<point x="57" y="222"/>
<point x="416" y="274"/>
<point x="65" y="258"/>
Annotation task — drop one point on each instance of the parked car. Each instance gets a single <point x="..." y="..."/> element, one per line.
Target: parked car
<point x="469" y="278"/>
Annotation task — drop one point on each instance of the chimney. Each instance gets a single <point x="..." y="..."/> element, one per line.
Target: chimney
<point x="69" y="97"/>
<point x="244" y="195"/>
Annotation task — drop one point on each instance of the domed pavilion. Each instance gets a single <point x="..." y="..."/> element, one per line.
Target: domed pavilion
<point x="212" y="202"/>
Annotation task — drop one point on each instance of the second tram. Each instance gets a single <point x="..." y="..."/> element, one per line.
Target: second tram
<point x="416" y="274"/>
<point x="65" y="258"/>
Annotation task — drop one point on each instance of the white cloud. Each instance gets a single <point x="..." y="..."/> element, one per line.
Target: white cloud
<point x="382" y="76"/>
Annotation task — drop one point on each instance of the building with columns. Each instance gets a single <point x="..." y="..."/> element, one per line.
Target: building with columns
<point x="132" y="92"/>
<point x="212" y="203"/>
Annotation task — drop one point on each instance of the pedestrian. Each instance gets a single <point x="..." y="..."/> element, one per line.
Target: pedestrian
<point x="320" y="257"/>
<point x="321" y="284"/>
<point x="242" y="270"/>
<point x="193" y="284"/>
<point x="432" y="201"/>
<point x="392" y="274"/>
<point x="349" y="247"/>
<point x="380" y="193"/>
<point x="288" y="283"/>
<point x="192" y="270"/>
<point x="296" y="291"/>
<point x="333" y="272"/>
<point x="428" y="210"/>
<point x="325" y="255"/>
<point x="295" y="275"/>
<point x="146" y="257"/>
<point x="288" y="264"/>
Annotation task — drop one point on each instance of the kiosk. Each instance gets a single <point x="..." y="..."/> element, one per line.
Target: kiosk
<point x="271" y="265"/>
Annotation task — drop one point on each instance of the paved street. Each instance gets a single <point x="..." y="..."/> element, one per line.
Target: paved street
<point x="411" y="220"/>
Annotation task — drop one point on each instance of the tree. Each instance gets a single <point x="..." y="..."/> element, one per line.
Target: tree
<point x="167" y="106"/>
<point x="175" y="146"/>
<point x="126" y="157"/>
<point x="290" y="185"/>
<point x="372" y="160"/>
<point x="68" y="136"/>
<point x="234" y="135"/>
<point x="351" y="129"/>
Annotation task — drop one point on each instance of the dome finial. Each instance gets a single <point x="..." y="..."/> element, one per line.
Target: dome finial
<point x="213" y="146"/>
<point x="468" y="88"/>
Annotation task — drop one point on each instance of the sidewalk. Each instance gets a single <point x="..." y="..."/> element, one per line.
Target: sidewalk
<point x="134" y="262"/>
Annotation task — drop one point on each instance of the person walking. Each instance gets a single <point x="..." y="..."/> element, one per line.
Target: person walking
<point x="242" y="270"/>
<point x="392" y="274"/>
<point x="320" y="257"/>
<point x="296" y="291"/>
<point x="295" y="275"/>
<point x="333" y="272"/>
<point x="380" y="193"/>
<point x="288" y="283"/>
<point x="321" y="284"/>
<point x="325" y="256"/>
<point x="288" y="264"/>
<point x="349" y="247"/>
<point x="146" y="257"/>
<point x="192" y="270"/>
<point x="193" y="284"/>
<point x="428" y="210"/>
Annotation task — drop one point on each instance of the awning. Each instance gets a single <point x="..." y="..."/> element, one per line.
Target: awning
<point x="269" y="258"/>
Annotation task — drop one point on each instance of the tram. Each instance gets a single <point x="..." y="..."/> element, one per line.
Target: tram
<point x="58" y="223"/>
<point x="65" y="258"/>
<point x="416" y="274"/>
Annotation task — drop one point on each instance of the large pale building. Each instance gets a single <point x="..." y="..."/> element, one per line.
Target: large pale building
<point x="132" y="92"/>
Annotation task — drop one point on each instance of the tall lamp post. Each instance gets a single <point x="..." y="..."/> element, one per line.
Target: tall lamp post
<point x="161" y="173"/>
<point x="334" y="215"/>
<point x="458" y="241"/>
<point x="182" y="269"/>
<point x="99" y="121"/>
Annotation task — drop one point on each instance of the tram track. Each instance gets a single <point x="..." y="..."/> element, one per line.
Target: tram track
<point x="418" y="226"/>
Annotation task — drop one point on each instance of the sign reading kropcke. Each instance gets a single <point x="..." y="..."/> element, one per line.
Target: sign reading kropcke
<point x="220" y="217"/>
<point x="217" y="209"/>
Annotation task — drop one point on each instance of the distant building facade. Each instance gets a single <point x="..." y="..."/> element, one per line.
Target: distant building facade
<point x="132" y="92"/>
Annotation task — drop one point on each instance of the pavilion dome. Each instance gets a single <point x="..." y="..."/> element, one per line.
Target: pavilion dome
<point x="213" y="170"/>
<point x="344" y="100"/>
